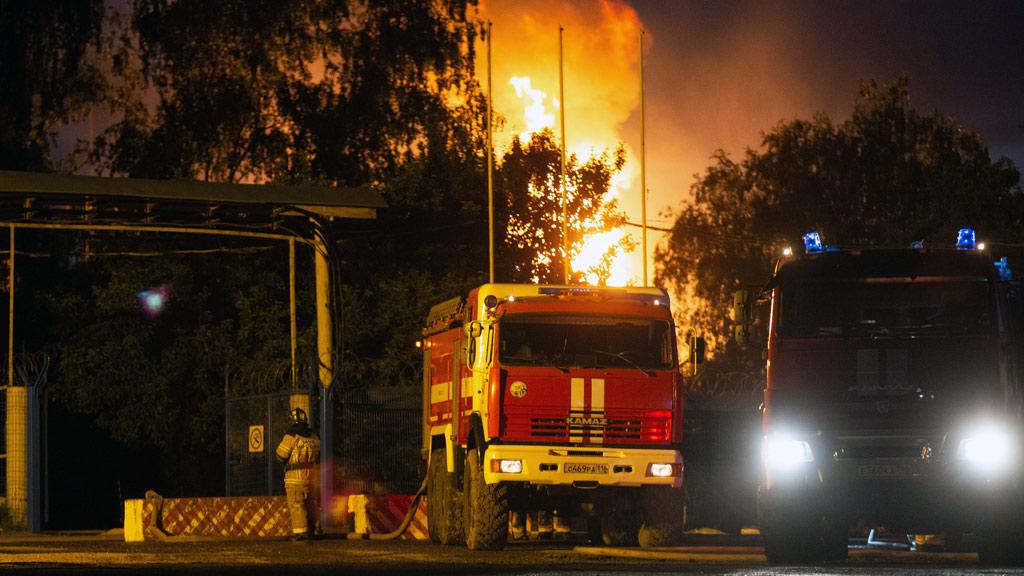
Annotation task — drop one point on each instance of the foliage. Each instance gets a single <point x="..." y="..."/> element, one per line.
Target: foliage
<point x="350" y="93"/>
<point x="159" y="380"/>
<point x="886" y="177"/>
<point x="529" y="210"/>
<point x="292" y="90"/>
<point x="49" y="75"/>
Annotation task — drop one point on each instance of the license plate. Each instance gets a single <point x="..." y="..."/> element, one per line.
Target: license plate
<point x="885" y="471"/>
<point x="578" y="468"/>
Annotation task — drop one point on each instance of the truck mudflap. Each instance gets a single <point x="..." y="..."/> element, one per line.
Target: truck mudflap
<point x="583" y="467"/>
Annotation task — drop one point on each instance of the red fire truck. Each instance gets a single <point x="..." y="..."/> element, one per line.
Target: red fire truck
<point x="893" y="400"/>
<point x="557" y="398"/>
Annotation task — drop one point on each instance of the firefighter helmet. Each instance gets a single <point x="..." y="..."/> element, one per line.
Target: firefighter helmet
<point x="298" y="415"/>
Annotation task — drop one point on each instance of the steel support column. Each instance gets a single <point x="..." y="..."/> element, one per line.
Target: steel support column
<point x="325" y="355"/>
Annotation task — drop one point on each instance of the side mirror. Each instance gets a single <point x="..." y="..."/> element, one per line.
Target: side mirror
<point x="474" y="329"/>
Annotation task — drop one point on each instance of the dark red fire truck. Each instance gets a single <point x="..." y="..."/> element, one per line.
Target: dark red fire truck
<point x="893" y="400"/>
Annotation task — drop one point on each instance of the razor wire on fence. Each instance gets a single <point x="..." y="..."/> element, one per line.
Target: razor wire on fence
<point x="31" y="371"/>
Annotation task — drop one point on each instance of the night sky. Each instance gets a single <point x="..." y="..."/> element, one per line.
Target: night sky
<point x="721" y="73"/>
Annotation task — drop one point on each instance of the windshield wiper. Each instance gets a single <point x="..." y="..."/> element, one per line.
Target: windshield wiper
<point x="622" y="356"/>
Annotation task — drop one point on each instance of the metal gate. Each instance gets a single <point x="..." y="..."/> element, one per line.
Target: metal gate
<point x="254" y="425"/>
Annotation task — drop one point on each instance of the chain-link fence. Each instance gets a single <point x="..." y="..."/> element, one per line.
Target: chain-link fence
<point x="253" y="427"/>
<point x="378" y="448"/>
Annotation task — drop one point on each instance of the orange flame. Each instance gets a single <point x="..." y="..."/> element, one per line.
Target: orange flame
<point x="601" y="66"/>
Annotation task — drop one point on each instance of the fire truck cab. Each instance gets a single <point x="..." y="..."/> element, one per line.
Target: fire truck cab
<point x="893" y="399"/>
<point x="557" y="398"/>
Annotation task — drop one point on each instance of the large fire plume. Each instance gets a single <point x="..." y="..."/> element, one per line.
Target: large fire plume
<point x="602" y="96"/>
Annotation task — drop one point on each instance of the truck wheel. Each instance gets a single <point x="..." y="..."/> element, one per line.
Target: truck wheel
<point x="448" y="512"/>
<point x="802" y="537"/>
<point x="436" y="504"/>
<point x="664" y="510"/>
<point x="620" y="522"/>
<point x="485" y="508"/>
<point x="791" y="545"/>
<point x="999" y="539"/>
<point x="835" y="541"/>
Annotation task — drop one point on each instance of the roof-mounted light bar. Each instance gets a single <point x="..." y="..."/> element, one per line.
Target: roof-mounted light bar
<point x="812" y="243"/>
<point x="966" y="239"/>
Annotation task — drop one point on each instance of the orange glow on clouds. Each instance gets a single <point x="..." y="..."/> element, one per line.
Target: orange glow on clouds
<point x="601" y="85"/>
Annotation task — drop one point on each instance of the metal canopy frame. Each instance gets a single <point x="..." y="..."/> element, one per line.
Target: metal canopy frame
<point x="187" y="202"/>
<point x="299" y="213"/>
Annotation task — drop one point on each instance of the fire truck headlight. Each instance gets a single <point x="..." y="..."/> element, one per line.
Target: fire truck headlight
<point x="663" y="470"/>
<point x="988" y="447"/>
<point x="507" y="466"/>
<point x="783" y="452"/>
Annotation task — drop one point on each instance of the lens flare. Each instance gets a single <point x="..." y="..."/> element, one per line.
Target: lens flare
<point x="153" y="300"/>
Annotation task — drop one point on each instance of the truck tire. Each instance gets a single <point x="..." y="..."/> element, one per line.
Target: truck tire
<point x="999" y="539"/>
<point x="620" y="522"/>
<point x="795" y="535"/>
<point x="485" y="508"/>
<point x="444" y="505"/>
<point x="436" y="504"/>
<point x="664" y="523"/>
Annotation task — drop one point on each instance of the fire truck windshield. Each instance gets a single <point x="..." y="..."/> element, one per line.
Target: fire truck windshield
<point x="566" y="341"/>
<point x="886" y="307"/>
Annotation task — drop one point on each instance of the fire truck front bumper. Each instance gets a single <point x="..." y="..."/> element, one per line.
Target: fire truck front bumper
<point x="583" y="467"/>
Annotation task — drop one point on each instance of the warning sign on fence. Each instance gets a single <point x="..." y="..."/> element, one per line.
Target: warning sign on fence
<point x="256" y="438"/>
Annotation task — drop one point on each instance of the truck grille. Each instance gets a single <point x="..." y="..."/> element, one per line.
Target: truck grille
<point x="870" y="447"/>
<point x="614" y="429"/>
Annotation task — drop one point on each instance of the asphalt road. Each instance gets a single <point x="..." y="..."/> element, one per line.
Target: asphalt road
<point x="108" y="554"/>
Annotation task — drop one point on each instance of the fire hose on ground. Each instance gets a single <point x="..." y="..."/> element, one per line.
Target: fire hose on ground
<point x="397" y="532"/>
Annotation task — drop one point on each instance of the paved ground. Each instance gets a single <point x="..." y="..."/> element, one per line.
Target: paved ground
<point x="85" y="553"/>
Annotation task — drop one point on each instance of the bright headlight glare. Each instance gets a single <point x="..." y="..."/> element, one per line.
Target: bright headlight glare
<point x="784" y="452"/>
<point x="661" y="470"/>
<point x="509" y="466"/>
<point x="989" y="447"/>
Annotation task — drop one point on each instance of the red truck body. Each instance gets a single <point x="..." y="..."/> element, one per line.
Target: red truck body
<point x="886" y="369"/>
<point x="558" y="389"/>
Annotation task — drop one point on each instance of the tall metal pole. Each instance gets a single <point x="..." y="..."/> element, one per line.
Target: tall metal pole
<point x="561" y="109"/>
<point x="643" y="162"/>
<point x="325" y="354"/>
<point x="10" y="313"/>
<point x="490" y="160"/>
<point x="291" y="310"/>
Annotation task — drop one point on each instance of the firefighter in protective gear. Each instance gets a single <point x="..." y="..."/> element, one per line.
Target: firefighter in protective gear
<point x="299" y="450"/>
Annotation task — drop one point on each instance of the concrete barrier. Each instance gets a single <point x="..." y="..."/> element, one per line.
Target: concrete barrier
<point x="383" y="514"/>
<point x="157" y="518"/>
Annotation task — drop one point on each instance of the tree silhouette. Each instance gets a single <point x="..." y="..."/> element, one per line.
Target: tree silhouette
<point x="888" y="176"/>
<point x="345" y="92"/>
<point x="529" y="215"/>
<point x="48" y="76"/>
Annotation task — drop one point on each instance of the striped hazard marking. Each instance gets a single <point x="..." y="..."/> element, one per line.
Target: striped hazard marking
<point x="385" y="514"/>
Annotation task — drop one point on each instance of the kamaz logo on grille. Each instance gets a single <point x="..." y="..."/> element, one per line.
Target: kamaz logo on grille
<point x="585" y="421"/>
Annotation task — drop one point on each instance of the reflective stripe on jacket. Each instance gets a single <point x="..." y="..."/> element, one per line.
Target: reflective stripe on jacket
<point x="300" y="451"/>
